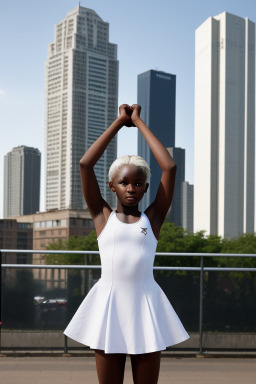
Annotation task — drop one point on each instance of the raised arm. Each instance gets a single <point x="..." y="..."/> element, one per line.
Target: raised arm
<point x="95" y="202"/>
<point x="157" y="211"/>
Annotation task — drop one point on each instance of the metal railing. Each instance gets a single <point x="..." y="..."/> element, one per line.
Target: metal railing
<point x="201" y="269"/>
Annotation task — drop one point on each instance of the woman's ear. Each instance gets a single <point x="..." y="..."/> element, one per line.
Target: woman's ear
<point x="147" y="185"/>
<point x="111" y="186"/>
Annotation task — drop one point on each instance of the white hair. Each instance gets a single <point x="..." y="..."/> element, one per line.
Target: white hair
<point x="129" y="159"/>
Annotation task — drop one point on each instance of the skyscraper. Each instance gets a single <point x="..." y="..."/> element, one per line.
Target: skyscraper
<point x="81" y="102"/>
<point x="175" y="214"/>
<point x="157" y="96"/>
<point x="187" y="206"/>
<point x="21" y="181"/>
<point x="225" y="126"/>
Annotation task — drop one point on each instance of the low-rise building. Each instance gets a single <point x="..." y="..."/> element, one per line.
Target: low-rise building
<point x="49" y="227"/>
<point x="14" y="235"/>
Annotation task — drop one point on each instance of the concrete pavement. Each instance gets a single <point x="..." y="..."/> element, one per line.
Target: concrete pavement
<point x="174" y="370"/>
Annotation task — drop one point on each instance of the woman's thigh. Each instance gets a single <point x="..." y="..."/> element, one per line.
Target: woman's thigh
<point x="145" y="367"/>
<point x="110" y="367"/>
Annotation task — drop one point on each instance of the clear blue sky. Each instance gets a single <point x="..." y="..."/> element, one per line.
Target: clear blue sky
<point x="149" y="34"/>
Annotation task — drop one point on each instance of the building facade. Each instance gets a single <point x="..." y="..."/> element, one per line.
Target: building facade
<point x="157" y="97"/>
<point x="187" y="206"/>
<point x="175" y="214"/>
<point x="51" y="227"/>
<point x="81" y="79"/>
<point x="225" y="126"/>
<point x="14" y="235"/>
<point x="21" y="181"/>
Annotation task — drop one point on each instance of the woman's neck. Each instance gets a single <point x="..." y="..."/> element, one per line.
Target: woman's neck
<point x="128" y="211"/>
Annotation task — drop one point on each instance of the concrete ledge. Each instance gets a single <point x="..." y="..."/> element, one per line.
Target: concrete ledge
<point x="165" y="354"/>
<point x="56" y="341"/>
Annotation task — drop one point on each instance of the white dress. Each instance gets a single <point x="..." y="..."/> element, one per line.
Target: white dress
<point x="126" y="311"/>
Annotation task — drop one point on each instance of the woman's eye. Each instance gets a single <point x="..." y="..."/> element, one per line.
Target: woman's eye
<point x="138" y="184"/>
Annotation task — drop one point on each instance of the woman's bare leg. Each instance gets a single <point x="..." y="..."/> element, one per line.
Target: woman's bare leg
<point x="110" y="367"/>
<point x="145" y="367"/>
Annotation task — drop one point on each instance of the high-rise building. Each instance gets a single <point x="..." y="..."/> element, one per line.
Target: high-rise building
<point x="21" y="181"/>
<point x="157" y="96"/>
<point x="225" y="126"/>
<point x="175" y="214"/>
<point x="81" y="102"/>
<point x="187" y="206"/>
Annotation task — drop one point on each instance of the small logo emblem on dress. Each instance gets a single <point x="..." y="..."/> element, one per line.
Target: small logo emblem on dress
<point x="144" y="230"/>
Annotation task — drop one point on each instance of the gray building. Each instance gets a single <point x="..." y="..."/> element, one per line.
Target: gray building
<point x="21" y="181"/>
<point x="175" y="214"/>
<point x="157" y="96"/>
<point x="81" y="79"/>
<point x="187" y="206"/>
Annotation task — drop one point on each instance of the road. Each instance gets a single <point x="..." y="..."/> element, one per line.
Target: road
<point x="77" y="370"/>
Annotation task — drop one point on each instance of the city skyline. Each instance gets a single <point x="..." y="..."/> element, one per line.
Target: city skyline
<point x="22" y="97"/>
<point x="224" y="192"/>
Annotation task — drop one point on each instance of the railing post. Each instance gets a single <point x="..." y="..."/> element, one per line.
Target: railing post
<point x="65" y="344"/>
<point x="1" y="290"/>
<point x="201" y="305"/>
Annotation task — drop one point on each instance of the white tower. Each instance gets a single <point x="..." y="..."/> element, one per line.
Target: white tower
<point x="225" y="126"/>
<point x="81" y="80"/>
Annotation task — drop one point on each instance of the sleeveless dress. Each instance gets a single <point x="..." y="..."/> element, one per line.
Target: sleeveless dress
<point x="126" y="311"/>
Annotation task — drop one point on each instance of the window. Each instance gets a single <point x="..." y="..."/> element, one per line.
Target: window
<point x="63" y="222"/>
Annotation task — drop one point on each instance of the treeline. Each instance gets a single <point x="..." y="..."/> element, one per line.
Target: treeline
<point x="229" y="297"/>
<point x="172" y="239"/>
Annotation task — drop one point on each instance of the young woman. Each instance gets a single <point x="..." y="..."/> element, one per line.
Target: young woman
<point x="126" y="312"/>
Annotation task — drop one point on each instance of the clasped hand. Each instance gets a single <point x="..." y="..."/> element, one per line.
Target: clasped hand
<point x="129" y="114"/>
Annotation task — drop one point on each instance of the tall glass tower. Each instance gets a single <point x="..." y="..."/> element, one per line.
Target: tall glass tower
<point x="22" y="181"/>
<point x="81" y="78"/>
<point x="157" y="96"/>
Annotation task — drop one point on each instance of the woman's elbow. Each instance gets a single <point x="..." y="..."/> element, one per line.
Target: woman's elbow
<point x="84" y="163"/>
<point x="172" y="166"/>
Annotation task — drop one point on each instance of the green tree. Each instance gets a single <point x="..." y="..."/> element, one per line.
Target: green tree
<point x="79" y="243"/>
<point x="177" y="240"/>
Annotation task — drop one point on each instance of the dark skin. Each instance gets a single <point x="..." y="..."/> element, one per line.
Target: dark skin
<point x="127" y="210"/>
<point x="129" y="184"/>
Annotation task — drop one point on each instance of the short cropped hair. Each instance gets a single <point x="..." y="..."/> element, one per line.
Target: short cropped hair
<point x="128" y="159"/>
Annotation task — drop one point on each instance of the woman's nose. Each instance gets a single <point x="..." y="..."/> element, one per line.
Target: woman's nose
<point x="130" y="188"/>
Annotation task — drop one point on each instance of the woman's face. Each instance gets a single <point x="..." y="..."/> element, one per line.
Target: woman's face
<point x="129" y="184"/>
